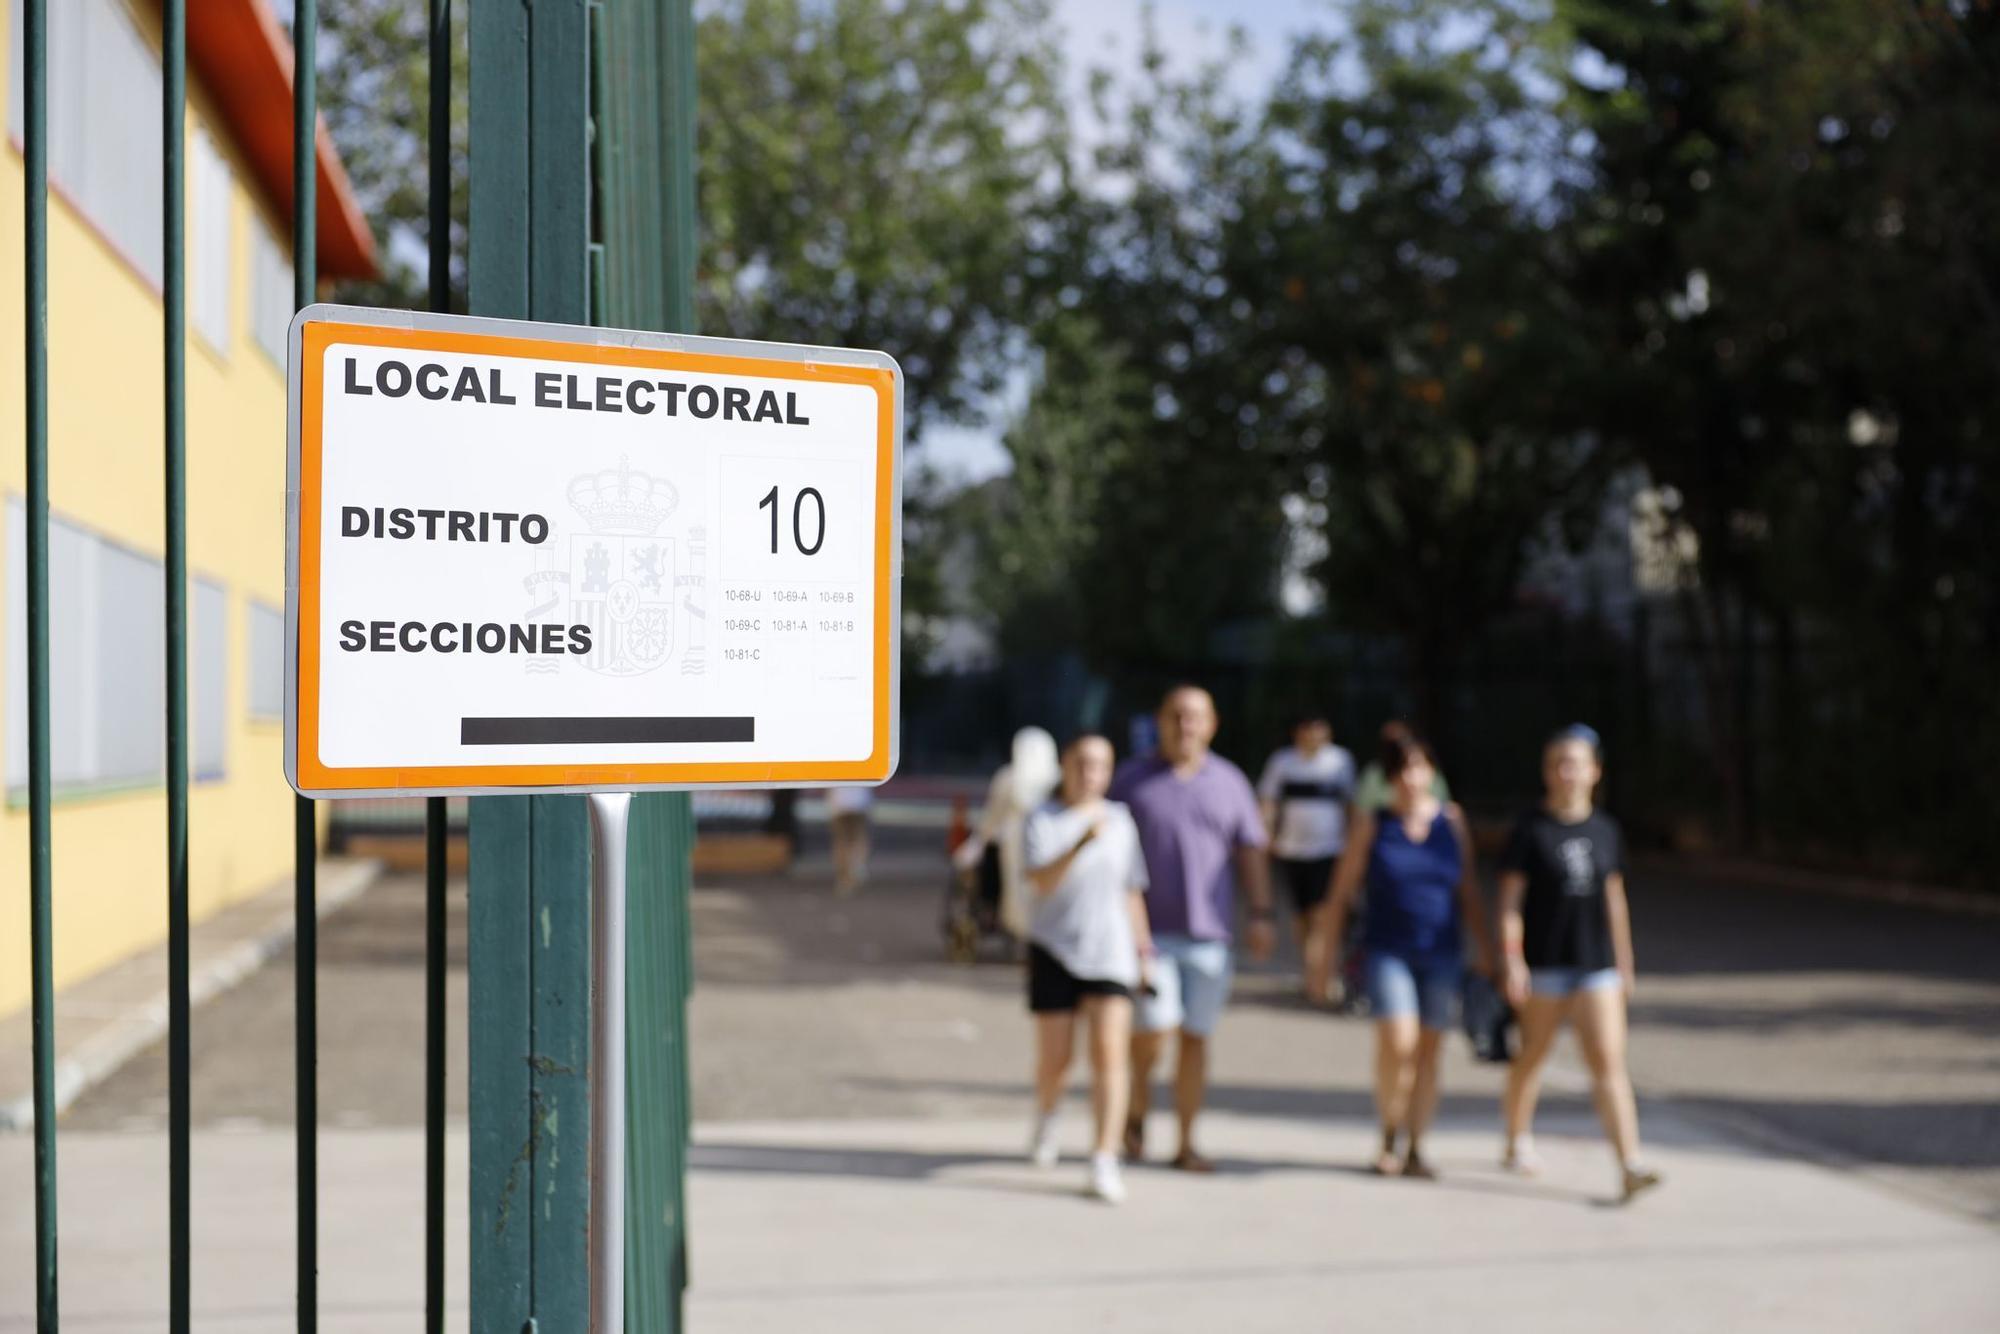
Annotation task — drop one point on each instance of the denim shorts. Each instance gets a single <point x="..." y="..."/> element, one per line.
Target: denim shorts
<point x="1190" y="983"/>
<point x="1427" y="988"/>
<point x="1560" y="982"/>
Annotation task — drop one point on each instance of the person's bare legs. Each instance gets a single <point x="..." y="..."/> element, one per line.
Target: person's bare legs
<point x="842" y="828"/>
<point x="1110" y="1019"/>
<point x="1145" y="1056"/>
<point x="1600" y="1031"/>
<point x="1423" y="1099"/>
<point x="1310" y="954"/>
<point x="1541" y="1020"/>
<point x="1395" y="1062"/>
<point x="1055" y="1042"/>
<point x="1190" y="1087"/>
<point x="861" y="850"/>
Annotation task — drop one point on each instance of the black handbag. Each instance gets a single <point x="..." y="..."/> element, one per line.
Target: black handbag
<point x="1489" y="1020"/>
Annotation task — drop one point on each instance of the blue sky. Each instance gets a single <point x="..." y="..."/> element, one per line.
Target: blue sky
<point x="1106" y="33"/>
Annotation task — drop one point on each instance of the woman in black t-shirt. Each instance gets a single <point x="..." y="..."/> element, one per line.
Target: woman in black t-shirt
<point x="1567" y="943"/>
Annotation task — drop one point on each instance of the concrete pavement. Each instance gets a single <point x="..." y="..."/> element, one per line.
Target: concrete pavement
<point x="876" y="1146"/>
<point x="921" y="1225"/>
<point x="861" y="1114"/>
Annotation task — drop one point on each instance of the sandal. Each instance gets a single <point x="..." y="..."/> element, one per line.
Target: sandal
<point x="1187" y="1160"/>
<point x="1637" y="1181"/>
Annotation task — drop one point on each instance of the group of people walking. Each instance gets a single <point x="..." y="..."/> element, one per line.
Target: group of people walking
<point x="1134" y="876"/>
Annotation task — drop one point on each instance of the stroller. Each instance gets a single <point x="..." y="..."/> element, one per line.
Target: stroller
<point x="972" y="908"/>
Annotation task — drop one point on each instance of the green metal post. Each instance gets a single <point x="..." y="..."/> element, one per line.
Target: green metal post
<point x="35" y="118"/>
<point x="528" y="932"/>
<point x="305" y="828"/>
<point x="173" y="126"/>
<point x="554" y="103"/>
<point x="644" y="142"/>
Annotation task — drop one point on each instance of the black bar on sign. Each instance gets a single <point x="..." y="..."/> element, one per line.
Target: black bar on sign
<point x="602" y="731"/>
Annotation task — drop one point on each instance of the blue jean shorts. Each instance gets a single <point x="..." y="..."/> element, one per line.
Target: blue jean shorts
<point x="1426" y="988"/>
<point x="1560" y="982"/>
<point x="1190" y="983"/>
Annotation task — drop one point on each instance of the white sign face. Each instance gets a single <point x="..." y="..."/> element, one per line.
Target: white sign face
<point x="529" y="557"/>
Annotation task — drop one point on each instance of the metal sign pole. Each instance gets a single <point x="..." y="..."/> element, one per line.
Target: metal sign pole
<point x="609" y="820"/>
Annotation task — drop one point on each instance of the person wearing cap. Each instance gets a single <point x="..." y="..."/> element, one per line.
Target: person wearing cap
<point x="1566" y="942"/>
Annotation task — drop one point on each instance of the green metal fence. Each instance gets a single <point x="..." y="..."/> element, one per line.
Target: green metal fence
<point x="583" y="189"/>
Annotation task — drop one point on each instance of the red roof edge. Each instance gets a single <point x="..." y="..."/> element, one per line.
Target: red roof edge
<point x="245" y="60"/>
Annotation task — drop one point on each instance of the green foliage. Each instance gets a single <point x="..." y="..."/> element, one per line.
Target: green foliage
<point x="1350" y="295"/>
<point x="374" y="93"/>
<point x="1046" y="532"/>
<point x="1795" y="264"/>
<point x="871" y="175"/>
<point x="1400" y="233"/>
<point x="1144" y="520"/>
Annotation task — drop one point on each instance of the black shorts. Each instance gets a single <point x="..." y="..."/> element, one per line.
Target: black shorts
<point x="1053" y="989"/>
<point x="1306" y="881"/>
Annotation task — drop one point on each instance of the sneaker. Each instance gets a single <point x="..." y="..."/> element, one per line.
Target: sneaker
<point x="1521" y="1159"/>
<point x="1107" y="1183"/>
<point x="1043" y="1151"/>
<point x="1637" y="1180"/>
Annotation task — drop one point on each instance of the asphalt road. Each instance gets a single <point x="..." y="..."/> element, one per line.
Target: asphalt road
<point x="1862" y="1034"/>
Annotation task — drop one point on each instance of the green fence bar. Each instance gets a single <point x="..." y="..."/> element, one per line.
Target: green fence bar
<point x="173" y="132"/>
<point x="643" y="105"/>
<point x="35" y="127"/>
<point x="305" y="828"/>
<point x="435" y="847"/>
<point x="434" y="1065"/>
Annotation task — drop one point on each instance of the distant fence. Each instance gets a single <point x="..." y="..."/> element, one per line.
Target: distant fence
<point x="1836" y="766"/>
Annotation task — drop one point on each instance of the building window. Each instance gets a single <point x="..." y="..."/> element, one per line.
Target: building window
<point x="104" y="122"/>
<point x="107" y="671"/>
<point x="267" y="663"/>
<point x="208" y="679"/>
<point x="271" y="295"/>
<point x="210" y="234"/>
<point x="107" y="663"/>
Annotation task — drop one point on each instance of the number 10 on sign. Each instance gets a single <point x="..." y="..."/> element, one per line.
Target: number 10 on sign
<point x="798" y="530"/>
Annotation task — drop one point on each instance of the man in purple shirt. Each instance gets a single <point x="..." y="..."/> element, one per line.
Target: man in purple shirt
<point x="1201" y="833"/>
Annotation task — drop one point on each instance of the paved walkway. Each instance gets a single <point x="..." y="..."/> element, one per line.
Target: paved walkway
<point x="874" y="1142"/>
<point x="861" y="1114"/>
<point x="920" y="1225"/>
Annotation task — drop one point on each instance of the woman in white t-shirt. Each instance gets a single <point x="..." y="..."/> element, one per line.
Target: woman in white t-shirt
<point x="1088" y="941"/>
<point x="1305" y="792"/>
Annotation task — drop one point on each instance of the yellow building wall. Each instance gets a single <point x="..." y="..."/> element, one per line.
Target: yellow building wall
<point x="106" y="473"/>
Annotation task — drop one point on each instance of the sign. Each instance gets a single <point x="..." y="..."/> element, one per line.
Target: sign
<point x="534" y="557"/>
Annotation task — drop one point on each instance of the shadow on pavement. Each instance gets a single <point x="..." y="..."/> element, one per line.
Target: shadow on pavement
<point x="914" y="1165"/>
<point x="1327" y="1103"/>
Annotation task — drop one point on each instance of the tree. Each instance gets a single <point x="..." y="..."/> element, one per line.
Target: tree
<point x="1402" y="231"/>
<point x="873" y="173"/>
<point x="374" y="92"/>
<point x="1793" y="251"/>
<point x="1143" y="518"/>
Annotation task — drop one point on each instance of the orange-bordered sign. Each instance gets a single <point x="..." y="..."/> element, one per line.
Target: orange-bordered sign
<point x="527" y="557"/>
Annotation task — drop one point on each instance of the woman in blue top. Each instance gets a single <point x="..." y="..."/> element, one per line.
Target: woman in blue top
<point x="1414" y="856"/>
